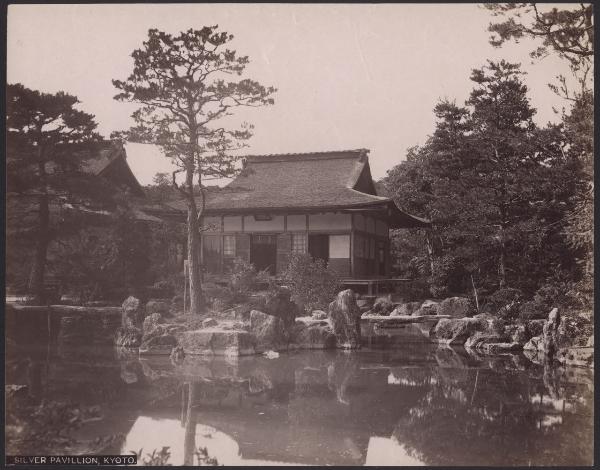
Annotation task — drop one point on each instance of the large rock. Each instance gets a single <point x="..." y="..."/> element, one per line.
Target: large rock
<point x="382" y="306"/>
<point x="130" y="337"/>
<point x="218" y="342"/>
<point x="157" y="338"/>
<point x="132" y="312"/>
<point x="344" y="316"/>
<point x="278" y="303"/>
<point x="534" y="344"/>
<point x="456" y="331"/>
<point x="456" y="307"/>
<point x="406" y="309"/>
<point x="429" y="307"/>
<point x="500" y="348"/>
<point x="161" y="344"/>
<point x="480" y="339"/>
<point x="317" y="336"/>
<point x="550" y="334"/>
<point x="269" y="331"/>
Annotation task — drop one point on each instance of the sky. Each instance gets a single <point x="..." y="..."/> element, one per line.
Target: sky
<point x="348" y="75"/>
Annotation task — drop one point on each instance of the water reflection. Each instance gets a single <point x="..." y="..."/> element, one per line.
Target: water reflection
<point x="411" y="406"/>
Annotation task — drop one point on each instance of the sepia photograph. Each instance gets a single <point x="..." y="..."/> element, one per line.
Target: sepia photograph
<point x="273" y="234"/>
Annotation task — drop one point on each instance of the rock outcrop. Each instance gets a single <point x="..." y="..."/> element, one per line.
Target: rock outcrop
<point x="316" y="336"/>
<point x="269" y="331"/>
<point x="455" y="331"/>
<point x="456" y="307"/>
<point x="128" y="337"/>
<point x="218" y="342"/>
<point x="382" y="306"/>
<point x="278" y="303"/>
<point x="344" y="316"/>
<point x="158" y="338"/>
<point x="429" y="307"/>
<point x="132" y="312"/>
<point x="405" y="309"/>
<point x="550" y="333"/>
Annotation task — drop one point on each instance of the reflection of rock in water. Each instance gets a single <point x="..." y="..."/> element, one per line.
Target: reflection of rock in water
<point x="339" y="374"/>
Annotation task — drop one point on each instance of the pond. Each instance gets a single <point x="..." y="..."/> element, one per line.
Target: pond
<point x="410" y="404"/>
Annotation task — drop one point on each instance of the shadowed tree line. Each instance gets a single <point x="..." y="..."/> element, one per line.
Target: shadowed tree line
<point x="511" y="201"/>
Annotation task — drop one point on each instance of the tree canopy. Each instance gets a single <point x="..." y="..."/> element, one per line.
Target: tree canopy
<point x="181" y="82"/>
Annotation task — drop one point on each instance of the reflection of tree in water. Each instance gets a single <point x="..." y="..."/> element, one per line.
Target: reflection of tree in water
<point x="494" y="419"/>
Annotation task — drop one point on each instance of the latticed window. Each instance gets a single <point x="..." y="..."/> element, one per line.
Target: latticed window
<point x="229" y="245"/>
<point x="299" y="243"/>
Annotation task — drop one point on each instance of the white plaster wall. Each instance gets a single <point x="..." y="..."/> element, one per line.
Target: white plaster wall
<point x="339" y="246"/>
<point x="273" y="225"/>
<point x="208" y="221"/>
<point x="381" y="228"/>
<point x="296" y="222"/>
<point x="232" y="223"/>
<point x="329" y="221"/>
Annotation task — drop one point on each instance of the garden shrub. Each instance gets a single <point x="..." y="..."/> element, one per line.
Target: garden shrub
<point x="447" y="276"/>
<point x="504" y="303"/>
<point x="243" y="278"/>
<point x="312" y="284"/>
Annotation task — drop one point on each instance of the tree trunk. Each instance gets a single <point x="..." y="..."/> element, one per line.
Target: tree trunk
<point x="502" y="260"/>
<point x="36" y="281"/>
<point x="193" y="250"/>
<point x="429" y="245"/>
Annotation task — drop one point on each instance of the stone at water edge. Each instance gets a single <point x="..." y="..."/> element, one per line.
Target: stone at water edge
<point x="218" y="342"/>
<point x="499" y="348"/>
<point x="132" y="312"/>
<point x="271" y="354"/>
<point x="456" y="331"/>
<point x="344" y="316"/>
<point x="270" y="331"/>
<point x="160" y="344"/>
<point x="315" y="336"/>
<point x="209" y="322"/>
<point x="551" y="333"/>
<point x="130" y="337"/>
<point x="318" y="315"/>
<point x="278" y="303"/>
<point x="429" y="307"/>
<point x="456" y="307"/>
<point x="534" y="344"/>
<point x="382" y="306"/>
<point x="407" y="309"/>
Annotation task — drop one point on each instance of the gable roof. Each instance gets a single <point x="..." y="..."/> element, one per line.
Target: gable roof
<point x="301" y="181"/>
<point x="111" y="161"/>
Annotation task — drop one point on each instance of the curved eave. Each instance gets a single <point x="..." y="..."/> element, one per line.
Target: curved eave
<point x="400" y="219"/>
<point x="396" y="217"/>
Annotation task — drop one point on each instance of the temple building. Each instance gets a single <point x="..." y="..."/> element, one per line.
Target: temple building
<point x="321" y="203"/>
